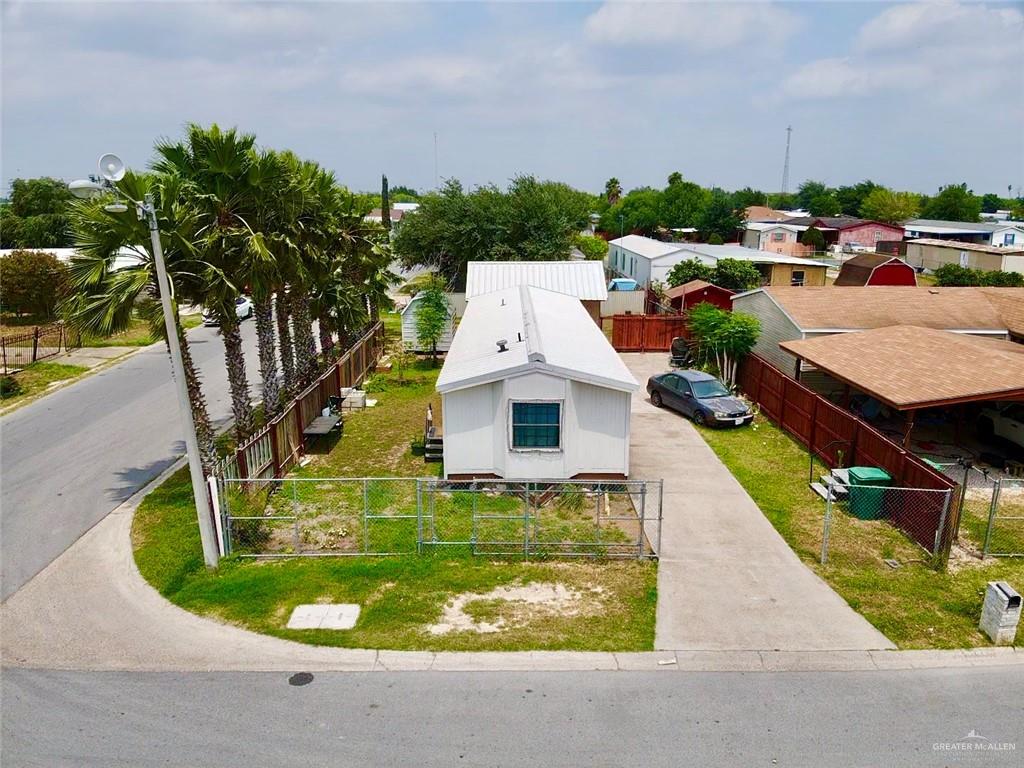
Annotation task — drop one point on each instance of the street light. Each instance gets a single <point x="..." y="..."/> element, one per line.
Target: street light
<point x="111" y="171"/>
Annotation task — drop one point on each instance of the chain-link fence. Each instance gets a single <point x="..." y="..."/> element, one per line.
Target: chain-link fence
<point x="989" y="510"/>
<point x="391" y="516"/>
<point x="894" y="524"/>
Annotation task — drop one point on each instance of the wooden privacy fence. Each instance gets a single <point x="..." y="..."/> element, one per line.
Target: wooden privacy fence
<point x="277" y="447"/>
<point x="832" y="434"/>
<point x="647" y="333"/>
<point x="20" y="349"/>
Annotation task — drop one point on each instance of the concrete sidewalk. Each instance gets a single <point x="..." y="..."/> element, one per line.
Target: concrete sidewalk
<point x="726" y="579"/>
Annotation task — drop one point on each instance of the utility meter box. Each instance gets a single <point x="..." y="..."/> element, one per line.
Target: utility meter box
<point x="1001" y="613"/>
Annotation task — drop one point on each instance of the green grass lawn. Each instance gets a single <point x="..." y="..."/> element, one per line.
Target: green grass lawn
<point x="35" y="379"/>
<point x="913" y="605"/>
<point x="401" y="596"/>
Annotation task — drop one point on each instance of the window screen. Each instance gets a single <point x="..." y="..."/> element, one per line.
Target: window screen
<point x="536" y="425"/>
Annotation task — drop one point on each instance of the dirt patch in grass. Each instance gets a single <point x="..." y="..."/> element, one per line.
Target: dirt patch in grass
<point x="512" y="607"/>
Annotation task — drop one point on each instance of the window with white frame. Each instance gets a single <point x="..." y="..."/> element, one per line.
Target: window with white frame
<point x="778" y="237"/>
<point x="1009" y="238"/>
<point x="536" y="424"/>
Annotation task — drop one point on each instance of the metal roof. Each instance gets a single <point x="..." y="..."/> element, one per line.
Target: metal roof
<point x="542" y="331"/>
<point x="712" y="253"/>
<point x="940" y="226"/>
<point x="907" y="367"/>
<point x="647" y="247"/>
<point x="582" y="279"/>
<point x="956" y="245"/>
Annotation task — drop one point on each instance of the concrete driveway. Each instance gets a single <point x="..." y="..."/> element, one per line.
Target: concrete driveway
<point x="726" y="579"/>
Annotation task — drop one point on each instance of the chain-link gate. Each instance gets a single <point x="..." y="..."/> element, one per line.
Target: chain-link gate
<point x="1004" y="532"/>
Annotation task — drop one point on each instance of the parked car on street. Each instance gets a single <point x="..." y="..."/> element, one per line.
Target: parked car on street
<point x="1006" y="422"/>
<point x="243" y="310"/>
<point x="700" y="396"/>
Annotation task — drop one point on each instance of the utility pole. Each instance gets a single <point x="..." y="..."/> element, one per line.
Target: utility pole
<point x="785" y="165"/>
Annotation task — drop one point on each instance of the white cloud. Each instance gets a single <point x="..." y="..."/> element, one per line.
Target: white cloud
<point x="939" y="51"/>
<point x="694" y="25"/>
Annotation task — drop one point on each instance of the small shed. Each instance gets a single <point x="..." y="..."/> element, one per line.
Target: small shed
<point x="531" y="389"/>
<point x="696" y="292"/>
<point x="876" y="269"/>
<point x="409" y="338"/>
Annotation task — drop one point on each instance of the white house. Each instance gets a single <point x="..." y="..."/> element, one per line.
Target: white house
<point x="531" y="389"/>
<point x="409" y="338"/>
<point x="643" y="258"/>
<point x="1001" y="234"/>
<point x="582" y="279"/>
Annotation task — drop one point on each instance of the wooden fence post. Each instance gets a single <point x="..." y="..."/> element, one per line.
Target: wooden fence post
<point x="243" y="465"/>
<point x="275" y="450"/>
<point x="35" y="343"/>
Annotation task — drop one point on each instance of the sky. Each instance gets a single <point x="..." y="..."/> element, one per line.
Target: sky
<point x="912" y="95"/>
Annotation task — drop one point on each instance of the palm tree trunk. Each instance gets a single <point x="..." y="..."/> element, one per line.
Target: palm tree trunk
<point x="264" y="311"/>
<point x="284" y="335"/>
<point x="326" y="336"/>
<point x="305" y="343"/>
<point x="200" y="413"/>
<point x="238" y="382"/>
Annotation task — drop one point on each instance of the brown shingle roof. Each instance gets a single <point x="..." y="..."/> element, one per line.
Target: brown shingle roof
<point x="763" y="213"/>
<point x="910" y="367"/>
<point x="877" y="306"/>
<point x="1009" y="303"/>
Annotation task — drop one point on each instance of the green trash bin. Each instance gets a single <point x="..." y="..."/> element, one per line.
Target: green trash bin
<point x="867" y="492"/>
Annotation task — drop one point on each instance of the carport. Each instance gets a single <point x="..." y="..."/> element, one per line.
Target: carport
<point x="909" y="368"/>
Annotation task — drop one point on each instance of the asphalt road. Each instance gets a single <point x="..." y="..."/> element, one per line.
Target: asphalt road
<point x="71" y="457"/>
<point x="512" y="719"/>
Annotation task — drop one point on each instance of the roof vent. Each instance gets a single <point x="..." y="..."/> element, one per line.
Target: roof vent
<point x="502" y="345"/>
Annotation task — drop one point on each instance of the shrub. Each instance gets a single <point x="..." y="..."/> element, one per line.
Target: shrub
<point x="33" y="283"/>
<point x="688" y="270"/>
<point x="9" y="387"/>
<point x="952" y="275"/>
<point x="736" y="275"/>
<point x="594" y="248"/>
<point x="715" y="239"/>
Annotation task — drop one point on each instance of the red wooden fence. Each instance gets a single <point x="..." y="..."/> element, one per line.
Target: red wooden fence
<point x="646" y="333"/>
<point x="277" y="447"/>
<point x="834" y="434"/>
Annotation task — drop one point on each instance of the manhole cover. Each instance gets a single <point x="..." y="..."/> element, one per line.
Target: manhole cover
<point x="301" y="678"/>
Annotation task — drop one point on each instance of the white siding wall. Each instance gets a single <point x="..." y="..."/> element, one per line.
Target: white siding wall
<point x="629" y="264"/>
<point x="621" y="302"/>
<point x="775" y="328"/>
<point x="477" y="429"/>
<point x="409" y="330"/>
<point x="470" y="419"/>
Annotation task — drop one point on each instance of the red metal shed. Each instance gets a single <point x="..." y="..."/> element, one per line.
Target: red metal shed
<point x="876" y="269"/>
<point x="690" y="294"/>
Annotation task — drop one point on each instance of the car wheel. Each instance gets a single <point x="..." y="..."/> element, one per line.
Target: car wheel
<point x="249" y="313"/>
<point x="700" y="419"/>
<point x="656" y="399"/>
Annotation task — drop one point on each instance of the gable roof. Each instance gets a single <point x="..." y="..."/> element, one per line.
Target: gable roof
<point x="544" y="331"/>
<point x="763" y="213"/>
<point x="693" y="285"/>
<point x="900" y="365"/>
<point x="832" y="308"/>
<point x="647" y="247"/>
<point x="582" y="279"/>
<point x="1009" y="303"/>
<point x="857" y="271"/>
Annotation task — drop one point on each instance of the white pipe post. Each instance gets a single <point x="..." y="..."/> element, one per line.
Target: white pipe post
<point x="206" y="532"/>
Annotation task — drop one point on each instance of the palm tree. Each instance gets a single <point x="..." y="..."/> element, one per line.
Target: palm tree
<point x="103" y="301"/>
<point x="212" y="167"/>
<point x="612" y="190"/>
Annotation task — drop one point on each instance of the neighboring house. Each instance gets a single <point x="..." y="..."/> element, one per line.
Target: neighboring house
<point x="931" y="253"/>
<point x="646" y="260"/>
<point x="695" y="292"/>
<point x="876" y="269"/>
<point x="643" y="258"/>
<point x="398" y="212"/>
<point x="787" y="314"/>
<point x="531" y="389"/>
<point x="1002" y="234"/>
<point x="582" y="279"/>
<point x="849" y="231"/>
<point x="777" y="237"/>
<point x="409" y="338"/>
<point x="775" y="268"/>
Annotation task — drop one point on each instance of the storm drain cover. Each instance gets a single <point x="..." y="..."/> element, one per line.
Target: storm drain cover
<point x="324" y="616"/>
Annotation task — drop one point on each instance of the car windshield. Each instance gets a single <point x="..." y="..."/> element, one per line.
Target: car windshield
<point x="712" y="388"/>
